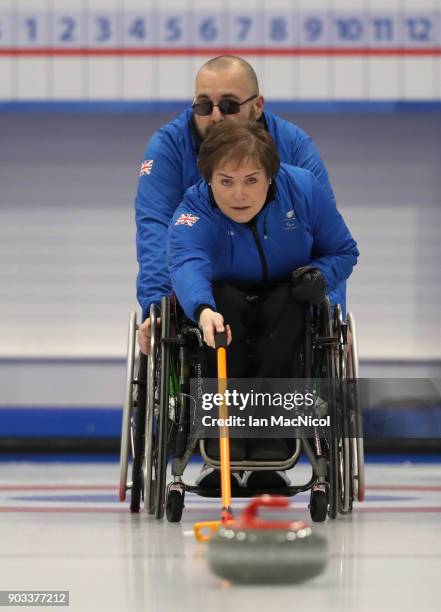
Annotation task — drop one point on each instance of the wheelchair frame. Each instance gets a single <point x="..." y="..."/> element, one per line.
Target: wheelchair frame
<point x="152" y="413"/>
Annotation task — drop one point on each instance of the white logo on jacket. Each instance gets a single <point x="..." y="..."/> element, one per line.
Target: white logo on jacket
<point x="290" y="224"/>
<point x="290" y="221"/>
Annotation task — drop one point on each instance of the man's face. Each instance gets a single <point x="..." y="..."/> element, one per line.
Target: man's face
<point x="227" y="84"/>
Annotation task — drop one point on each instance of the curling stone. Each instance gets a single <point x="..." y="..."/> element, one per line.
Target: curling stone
<point x="256" y="551"/>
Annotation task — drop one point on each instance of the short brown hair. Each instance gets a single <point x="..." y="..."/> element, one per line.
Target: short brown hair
<point x="238" y="141"/>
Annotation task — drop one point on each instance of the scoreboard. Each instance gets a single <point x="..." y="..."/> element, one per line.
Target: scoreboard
<point x="311" y="50"/>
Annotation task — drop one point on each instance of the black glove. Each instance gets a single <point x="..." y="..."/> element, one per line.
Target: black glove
<point x="308" y="285"/>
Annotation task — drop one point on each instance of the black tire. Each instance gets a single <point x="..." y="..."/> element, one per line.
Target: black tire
<point x="347" y="416"/>
<point x="151" y="502"/>
<point x="151" y="437"/>
<point x="357" y="454"/>
<point x="333" y="466"/>
<point x="333" y="479"/>
<point x="318" y="506"/>
<point x="345" y="461"/>
<point x="139" y="442"/>
<point x="163" y="410"/>
<point x="174" y="506"/>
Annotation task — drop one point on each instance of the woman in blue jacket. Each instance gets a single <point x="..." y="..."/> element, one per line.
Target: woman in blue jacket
<point x="252" y="244"/>
<point x="249" y="248"/>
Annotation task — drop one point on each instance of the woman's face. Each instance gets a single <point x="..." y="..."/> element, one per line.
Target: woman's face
<point x="240" y="191"/>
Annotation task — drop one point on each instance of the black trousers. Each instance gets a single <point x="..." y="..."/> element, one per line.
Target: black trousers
<point x="267" y="327"/>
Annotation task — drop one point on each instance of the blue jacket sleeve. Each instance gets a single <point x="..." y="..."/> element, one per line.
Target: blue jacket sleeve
<point x="334" y="251"/>
<point x="191" y="251"/>
<point x="159" y="193"/>
<point x="308" y="157"/>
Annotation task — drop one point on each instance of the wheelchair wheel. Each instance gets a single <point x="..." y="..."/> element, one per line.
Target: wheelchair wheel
<point x="152" y="411"/>
<point x="321" y="367"/>
<point x="174" y="504"/>
<point x="128" y="408"/>
<point x="318" y="505"/>
<point x="344" y="448"/>
<point x="163" y="417"/>
<point x="162" y="391"/>
<point x="344" y="451"/>
<point x="357" y="442"/>
<point x="350" y="443"/>
<point x="333" y="458"/>
<point x="138" y="437"/>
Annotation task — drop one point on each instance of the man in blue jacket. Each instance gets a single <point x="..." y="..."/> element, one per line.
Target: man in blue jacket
<point x="226" y="90"/>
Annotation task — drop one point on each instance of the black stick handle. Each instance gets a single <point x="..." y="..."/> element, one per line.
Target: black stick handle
<point x="220" y="339"/>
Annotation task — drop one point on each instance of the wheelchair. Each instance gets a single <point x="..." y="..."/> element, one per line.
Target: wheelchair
<point x="155" y="426"/>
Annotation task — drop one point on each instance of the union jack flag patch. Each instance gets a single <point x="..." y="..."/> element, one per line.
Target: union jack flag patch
<point x="186" y="219"/>
<point x="146" y="167"/>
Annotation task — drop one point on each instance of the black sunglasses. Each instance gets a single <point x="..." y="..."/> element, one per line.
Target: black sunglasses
<point x="226" y="107"/>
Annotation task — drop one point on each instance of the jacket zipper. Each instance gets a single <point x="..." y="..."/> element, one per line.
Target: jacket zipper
<point x="263" y="261"/>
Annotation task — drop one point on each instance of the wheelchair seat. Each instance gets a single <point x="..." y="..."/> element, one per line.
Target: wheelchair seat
<point x="252" y="449"/>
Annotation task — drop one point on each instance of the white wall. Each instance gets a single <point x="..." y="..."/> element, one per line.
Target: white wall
<point x="145" y="50"/>
<point x="67" y="256"/>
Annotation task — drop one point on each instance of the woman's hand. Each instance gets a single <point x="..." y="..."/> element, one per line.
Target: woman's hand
<point x="308" y="285"/>
<point x="211" y="322"/>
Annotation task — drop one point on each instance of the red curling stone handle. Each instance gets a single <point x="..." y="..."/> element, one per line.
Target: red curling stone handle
<point x="249" y="518"/>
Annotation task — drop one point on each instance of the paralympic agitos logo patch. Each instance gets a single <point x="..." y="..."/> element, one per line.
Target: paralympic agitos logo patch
<point x="186" y="219"/>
